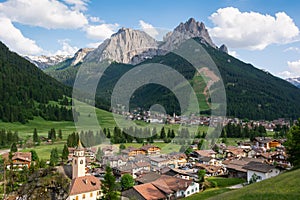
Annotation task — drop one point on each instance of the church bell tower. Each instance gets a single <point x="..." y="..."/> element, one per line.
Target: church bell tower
<point x="78" y="164"/>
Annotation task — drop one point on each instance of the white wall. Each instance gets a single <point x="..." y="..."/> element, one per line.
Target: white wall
<point x="192" y="189"/>
<point x="271" y="173"/>
<point x="87" y="196"/>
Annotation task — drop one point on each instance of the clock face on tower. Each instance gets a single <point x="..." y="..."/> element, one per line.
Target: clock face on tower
<point x="81" y="161"/>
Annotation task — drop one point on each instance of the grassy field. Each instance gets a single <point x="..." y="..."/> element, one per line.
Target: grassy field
<point x="225" y="182"/>
<point x="44" y="150"/>
<point x="222" y="184"/>
<point x="166" y="148"/>
<point x="207" y="193"/>
<point x="90" y="119"/>
<point x="284" y="186"/>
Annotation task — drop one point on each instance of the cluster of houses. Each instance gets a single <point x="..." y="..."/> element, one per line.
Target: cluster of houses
<point x="167" y="176"/>
<point x="162" y="118"/>
<point x="175" y="175"/>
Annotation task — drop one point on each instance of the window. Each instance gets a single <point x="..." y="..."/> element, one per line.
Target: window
<point x="91" y="194"/>
<point x="83" y="196"/>
<point x="75" y="161"/>
<point x="188" y="192"/>
<point x="81" y="161"/>
<point x="192" y="190"/>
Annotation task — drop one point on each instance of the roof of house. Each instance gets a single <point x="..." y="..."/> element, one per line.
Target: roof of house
<point x="236" y="167"/>
<point x="148" y="177"/>
<point x="263" y="139"/>
<point x="149" y="191"/>
<point x="174" y="183"/>
<point x="235" y="150"/>
<point x="158" y="159"/>
<point x="148" y="146"/>
<point x="205" y="159"/>
<point x="209" y="168"/>
<point x="205" y="153"/>
<point x="162" y="186"/>
<point x="177" y="155"/>
<point x="258" y="166"/>
<point x="84" y="184"/>
<point x="24" y="156"/>
<point x="143" y="164"/>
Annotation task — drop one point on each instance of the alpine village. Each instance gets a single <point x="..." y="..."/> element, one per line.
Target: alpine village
<point x="253" y="152"/>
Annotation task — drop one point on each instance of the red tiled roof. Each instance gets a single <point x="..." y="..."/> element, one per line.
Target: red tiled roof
<point x="175" y="183"/>
<point x="161" y="187"/>
<point x="84" y="184"/>
<point x="149" y="191"/>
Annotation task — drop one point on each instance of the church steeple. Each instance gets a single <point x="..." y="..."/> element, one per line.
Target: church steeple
<point x="78" y="164"/>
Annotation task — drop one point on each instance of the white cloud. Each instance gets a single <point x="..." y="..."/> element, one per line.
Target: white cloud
<point x="96" y="19"/>
<point x="285" y="74"/>
<point x="251" y="30"/>
<point x="293" y="70"/>
<point x="49" y="14"/>
<point x="148" y="28"/>
<point x="292" y="49"/>
<point x="101" y="32"/>
<point x="15" y="40"/>
<point x="67" y="49"/>
<point x="79" y="5"/>
<point x="233" y="53"/>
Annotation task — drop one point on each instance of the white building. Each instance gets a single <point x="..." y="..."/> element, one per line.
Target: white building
<point x="83" y="187"/>
<point x="260" y="171"/>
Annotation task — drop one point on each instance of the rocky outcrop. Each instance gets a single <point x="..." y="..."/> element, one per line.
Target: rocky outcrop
<point x="223" y="48"/>
<point x="126" y="46"/>
<point x="185" y="31"/>
<point x="80" y="55"/>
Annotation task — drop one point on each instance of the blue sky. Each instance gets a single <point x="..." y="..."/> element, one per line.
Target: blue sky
<point x="264" y="33"/>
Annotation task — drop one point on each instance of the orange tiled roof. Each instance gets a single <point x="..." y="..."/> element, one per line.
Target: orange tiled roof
<point x="85" y="184"/>
<point x="149" y="191"/>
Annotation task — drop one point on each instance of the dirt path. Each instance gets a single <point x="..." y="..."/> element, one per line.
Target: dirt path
<point x="213" y="78"/>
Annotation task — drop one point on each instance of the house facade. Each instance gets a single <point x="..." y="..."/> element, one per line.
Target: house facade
<point x="19" y="160"/>
<point x="260" y="171"/>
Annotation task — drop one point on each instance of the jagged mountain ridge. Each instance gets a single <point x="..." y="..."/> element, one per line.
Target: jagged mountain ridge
<point x="134" y="46"/>
<point x="44" y="62"/>
<point x="251" y="93"/>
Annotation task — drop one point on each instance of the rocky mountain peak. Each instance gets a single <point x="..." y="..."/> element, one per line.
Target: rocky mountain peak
<point x="133" y="46"/>
<point x="187" y="30"/>
<point x="125" y="46"/>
